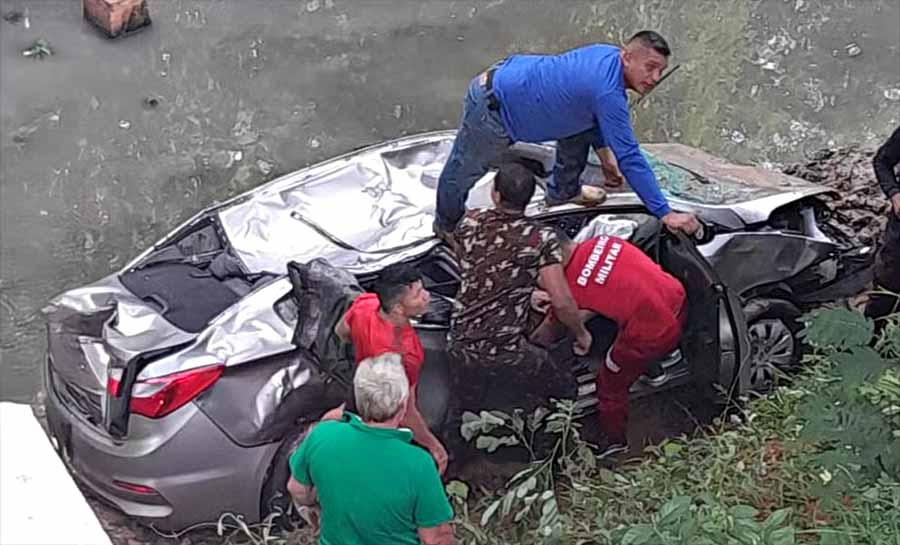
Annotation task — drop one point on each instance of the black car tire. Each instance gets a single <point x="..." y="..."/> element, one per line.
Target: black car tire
<point x="775" y="347"/>
<point x="275" y="497"/>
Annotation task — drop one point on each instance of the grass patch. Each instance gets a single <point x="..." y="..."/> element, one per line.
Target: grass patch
<point x="817" y="461"/>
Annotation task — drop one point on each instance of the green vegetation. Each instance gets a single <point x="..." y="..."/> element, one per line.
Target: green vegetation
<point x="818" y="461"/>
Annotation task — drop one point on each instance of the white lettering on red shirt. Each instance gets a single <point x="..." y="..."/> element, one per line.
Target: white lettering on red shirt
<point x="592" y="260"/>
<point x="608" y="263"/>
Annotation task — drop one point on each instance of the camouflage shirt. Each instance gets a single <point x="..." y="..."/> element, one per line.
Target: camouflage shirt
<point x="500" y="256"/>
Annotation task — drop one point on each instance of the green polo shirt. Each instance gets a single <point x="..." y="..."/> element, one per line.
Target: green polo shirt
<point x="374" y="487"/>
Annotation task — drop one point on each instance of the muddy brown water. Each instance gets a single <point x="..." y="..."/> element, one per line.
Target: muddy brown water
<point x="93" y="170"/>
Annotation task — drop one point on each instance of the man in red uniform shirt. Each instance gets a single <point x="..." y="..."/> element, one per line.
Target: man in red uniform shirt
<point x="613" y="278"/>
<point x="379" y="323"/>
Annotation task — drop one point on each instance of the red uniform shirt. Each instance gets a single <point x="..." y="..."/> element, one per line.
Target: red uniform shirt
<point x="612" y="277"/>
<point x="373" y="336"/>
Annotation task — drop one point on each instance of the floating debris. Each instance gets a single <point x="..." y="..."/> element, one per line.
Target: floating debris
<point x="166" y="57"/>
<point x="150" y="102"/>
<point x="398" y="111"/>
<point x="738" y="137"/>
<point x="264" y="166"/>
<point x="95" y="103"/>
<point x="39" y="49"/>
<point x="124" y="124"/>
<point x="853" y="49"/>
<point x="236" y="155"/>
<point x="313" y="6"/>
<point x="13" y="17"/>
<point x="892" y="94"/>
<point x="314" y="142"/>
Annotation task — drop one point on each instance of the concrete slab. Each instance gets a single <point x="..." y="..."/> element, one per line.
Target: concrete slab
<point x="39" y="502"/>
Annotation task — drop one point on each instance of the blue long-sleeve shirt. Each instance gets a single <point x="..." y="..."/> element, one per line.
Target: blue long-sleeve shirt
<point x="550" y="97"/>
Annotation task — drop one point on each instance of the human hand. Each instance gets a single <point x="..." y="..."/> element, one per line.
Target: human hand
<point x="582" y="344"/>
<point x="540" y="301"/>
<point x="311" y="515"/>
<point x="895" y="204"/>
<point x="439" y="453"/>
<point x="677" y="221"/>
<point x="612" y="176"/>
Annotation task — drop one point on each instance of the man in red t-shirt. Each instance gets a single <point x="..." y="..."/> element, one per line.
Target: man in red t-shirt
<point x="611" y="277"/>
<point x="379" y="323"/>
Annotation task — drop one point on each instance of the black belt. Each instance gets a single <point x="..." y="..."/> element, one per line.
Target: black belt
<point x="488" y="84"/>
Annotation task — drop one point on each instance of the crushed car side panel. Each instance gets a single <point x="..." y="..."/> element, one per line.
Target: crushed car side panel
<point x="263" y="398"/>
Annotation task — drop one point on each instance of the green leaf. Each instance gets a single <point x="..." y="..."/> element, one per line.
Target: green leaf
<point x="671" y="449"/>
<point x="858" y="366"/>
<point x="833" y="537"/>
<point x="607" y="476"/>
<point x="639" y="534"/>
<point x="522" y="512"/>
<point x="837" y="328"/>
<point x="491" y="443"/>
<point x="484" y="422"/>
<point x="777" y="518"/>
<point x="743" y="512"/>
<point x="526" y="487"/>
<point x="673" y="510"/>
<point x="782" y="536"/>
<point x="489" y="512"/>
<point x="508" y="499"/>
<point x="458" y="489"/>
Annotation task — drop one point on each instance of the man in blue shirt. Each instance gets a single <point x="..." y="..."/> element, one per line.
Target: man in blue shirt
<point x="577" y="98"/>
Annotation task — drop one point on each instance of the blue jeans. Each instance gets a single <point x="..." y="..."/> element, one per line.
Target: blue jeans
<point x="481" y="139"/>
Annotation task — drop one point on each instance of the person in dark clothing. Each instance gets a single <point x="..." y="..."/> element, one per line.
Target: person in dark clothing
<point x="887" y="262"/>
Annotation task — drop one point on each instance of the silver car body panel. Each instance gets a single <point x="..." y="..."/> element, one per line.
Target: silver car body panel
<point x="375" y="200"/>
<point x="248" y="330"/>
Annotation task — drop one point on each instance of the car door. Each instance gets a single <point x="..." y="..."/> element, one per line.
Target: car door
<point x="715" y="341"/>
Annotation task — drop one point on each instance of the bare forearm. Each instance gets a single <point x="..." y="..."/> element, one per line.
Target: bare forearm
<point x="416" y="422"/>
<point x="440" y="535"/>
<point x="301" y="494"/>
<point x="567" y="312"/>
<point x="547" y="332"/>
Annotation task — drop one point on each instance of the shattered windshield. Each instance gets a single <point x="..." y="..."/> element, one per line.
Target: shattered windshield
<point x="683" y="183"/>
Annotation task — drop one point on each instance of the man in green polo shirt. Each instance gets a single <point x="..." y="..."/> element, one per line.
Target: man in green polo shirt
<point x="373" y="485"/>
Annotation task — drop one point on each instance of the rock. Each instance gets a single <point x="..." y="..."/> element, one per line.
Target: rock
<point x="860" y="209"/>
<point x="116" y="17"/>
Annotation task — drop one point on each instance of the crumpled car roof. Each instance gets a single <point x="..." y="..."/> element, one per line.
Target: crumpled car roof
<point x="380" y="201"/>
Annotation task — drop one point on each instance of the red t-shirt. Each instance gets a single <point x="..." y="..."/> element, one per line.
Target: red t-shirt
<point x="373" y="336"/>
<point x="612" y="277"/>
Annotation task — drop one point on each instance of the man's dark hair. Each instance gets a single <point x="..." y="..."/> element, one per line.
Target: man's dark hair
<point x="653" y="40"/>
<point x="393" y="282"/>
<point x="515" y="184"/>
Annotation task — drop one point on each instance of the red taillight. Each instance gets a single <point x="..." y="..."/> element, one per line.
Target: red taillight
<point x="168" y="393"/>
<point x="136" y="488"/>
<point x="113" y="380"/>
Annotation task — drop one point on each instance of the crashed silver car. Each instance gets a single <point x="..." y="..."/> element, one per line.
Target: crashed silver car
<point x="178" y="386"/>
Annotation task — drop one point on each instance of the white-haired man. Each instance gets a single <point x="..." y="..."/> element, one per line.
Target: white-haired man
<point x="373" y="486"/>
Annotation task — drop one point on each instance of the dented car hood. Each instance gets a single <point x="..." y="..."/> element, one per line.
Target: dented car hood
<point x="380" y="201"/>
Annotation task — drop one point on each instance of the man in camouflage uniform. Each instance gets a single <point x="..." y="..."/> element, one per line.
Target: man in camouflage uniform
<point x="502" y="254"/>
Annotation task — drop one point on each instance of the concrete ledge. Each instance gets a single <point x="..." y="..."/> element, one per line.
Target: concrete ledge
<point x="39" y="502"/>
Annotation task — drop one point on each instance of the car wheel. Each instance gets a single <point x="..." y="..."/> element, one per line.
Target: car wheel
<point x="274" y="497"/>
<point x="775" y="348"/>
